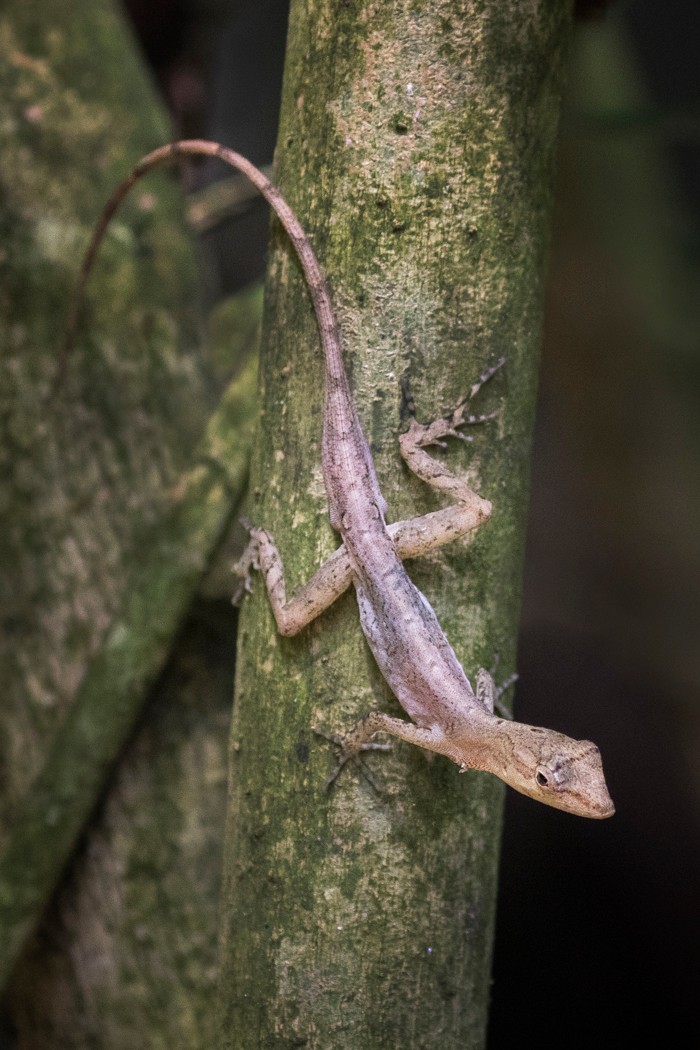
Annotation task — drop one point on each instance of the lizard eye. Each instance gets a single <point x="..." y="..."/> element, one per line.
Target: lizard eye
<point x="541" y="778"/>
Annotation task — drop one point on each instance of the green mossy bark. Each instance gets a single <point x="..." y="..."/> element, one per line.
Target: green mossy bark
<point x="50" y="818"/>
<point x="87" y="476"/>
<point x="416" y="145"/>
<point x="107" y="526"/>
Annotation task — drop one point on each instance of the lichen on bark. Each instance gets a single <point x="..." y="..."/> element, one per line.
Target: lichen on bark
<point x="416" y="144"/>
<point x="107" y="526"/>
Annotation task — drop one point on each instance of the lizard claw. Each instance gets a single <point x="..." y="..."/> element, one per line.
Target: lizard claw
<point x="423" y="435"/>
<point x="484" y="378"/>
<point x="459" y="417"/>
<point x="242" y="568"/>
<point x="351" y="754"/>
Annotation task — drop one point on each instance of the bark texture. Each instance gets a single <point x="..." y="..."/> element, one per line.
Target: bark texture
<point x="88" y="473"/>
<point x="107" y="525"/>
<point x="53" y="813"/>
<point x="416" y="145"/>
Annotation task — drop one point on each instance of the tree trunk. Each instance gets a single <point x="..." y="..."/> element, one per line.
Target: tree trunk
<point x="107" y="528"/>
<point x="416" y="145"/>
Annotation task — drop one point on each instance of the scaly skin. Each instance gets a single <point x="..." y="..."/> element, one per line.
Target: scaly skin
<point x="402" y="630"/>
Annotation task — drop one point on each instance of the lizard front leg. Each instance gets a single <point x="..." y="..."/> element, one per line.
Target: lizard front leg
<point x="293" y="614"/>
<point x="358" y="738"/>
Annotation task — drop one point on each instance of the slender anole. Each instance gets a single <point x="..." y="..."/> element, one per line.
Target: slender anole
<point x="448" y="715"/>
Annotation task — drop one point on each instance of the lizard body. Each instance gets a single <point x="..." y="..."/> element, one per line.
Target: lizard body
<point x="409" y="646"/>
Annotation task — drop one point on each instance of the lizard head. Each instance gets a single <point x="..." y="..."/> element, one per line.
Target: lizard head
<point x="554" y="769"/>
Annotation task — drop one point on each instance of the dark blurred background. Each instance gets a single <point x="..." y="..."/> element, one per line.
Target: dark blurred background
<point x="598" y="925"/>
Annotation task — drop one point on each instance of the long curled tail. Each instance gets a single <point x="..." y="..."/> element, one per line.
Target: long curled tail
<point x="199" y="147"/>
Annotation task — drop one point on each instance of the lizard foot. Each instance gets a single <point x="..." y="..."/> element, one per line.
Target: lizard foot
<point x="247" y="562"/>
<point x="351" y="753"/>
<point x="421" y="435"/>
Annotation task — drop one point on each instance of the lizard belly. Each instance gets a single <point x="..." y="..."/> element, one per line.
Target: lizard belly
<point x="412" y="651"/>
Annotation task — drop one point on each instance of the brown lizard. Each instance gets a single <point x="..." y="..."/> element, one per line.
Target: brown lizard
<point x="448" y="715"/>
